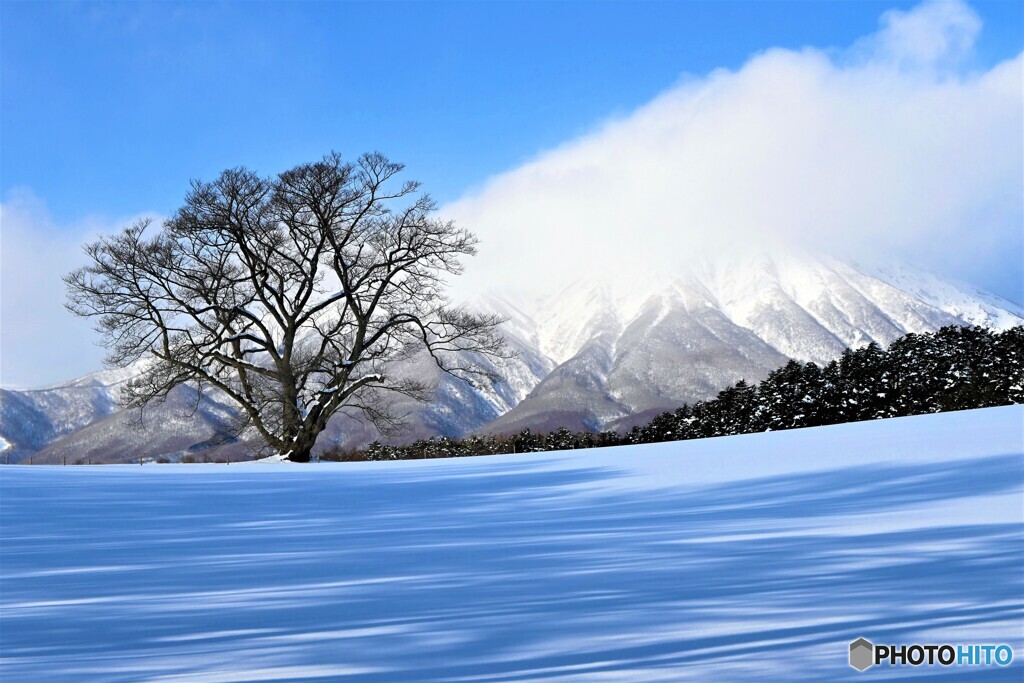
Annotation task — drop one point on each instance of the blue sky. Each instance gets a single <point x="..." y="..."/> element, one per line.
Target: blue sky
<point x="109" y="109"/>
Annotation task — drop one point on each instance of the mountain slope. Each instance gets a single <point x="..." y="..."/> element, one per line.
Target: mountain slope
<point x="29" y="420"/>
<point x="81" y="420"/>
<point x="604" y="353"/>
<point x="646" y="346"/>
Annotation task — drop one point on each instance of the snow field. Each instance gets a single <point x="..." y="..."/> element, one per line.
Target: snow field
<point x="756" y="557"/>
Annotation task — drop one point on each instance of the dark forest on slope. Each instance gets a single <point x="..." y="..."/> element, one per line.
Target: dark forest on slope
<point x="955" y="368"/>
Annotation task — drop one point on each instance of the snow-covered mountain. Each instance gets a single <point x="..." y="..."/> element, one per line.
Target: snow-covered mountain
<point x="604" y="353"/>
<point x="82" y="420"/>
<point x="628" y="349"/>
<point x="29" y="420"/>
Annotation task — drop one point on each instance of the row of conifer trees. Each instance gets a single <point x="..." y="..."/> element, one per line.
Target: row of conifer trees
<point x="955" y="368"/>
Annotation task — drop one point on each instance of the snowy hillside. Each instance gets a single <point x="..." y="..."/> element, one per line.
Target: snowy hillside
<point x="752" y="557"/>
<point x="82" y="421"/>
<point x="29" y="420"/>
<point x="604" y="353"/>
<point x="628" y="348"/>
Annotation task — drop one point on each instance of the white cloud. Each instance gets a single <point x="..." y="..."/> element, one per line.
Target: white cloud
<point x="40" y="342"/>
<point x="890" y="146"/>
<point x="932" y="34"/>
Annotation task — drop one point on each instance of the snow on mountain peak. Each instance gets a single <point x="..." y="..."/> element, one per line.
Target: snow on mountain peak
<point x="807" y="307"/>
<point x="605" y="351"/>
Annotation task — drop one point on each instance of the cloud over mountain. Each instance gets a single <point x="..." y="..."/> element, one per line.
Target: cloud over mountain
<point x="894" y="145"/>
<point x="40" y="342"/>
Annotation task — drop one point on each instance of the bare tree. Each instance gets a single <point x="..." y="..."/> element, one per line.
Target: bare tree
<point x="294" y="296"/>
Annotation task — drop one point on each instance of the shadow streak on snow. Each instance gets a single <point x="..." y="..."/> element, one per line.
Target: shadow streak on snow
<point x="496" y="574"/>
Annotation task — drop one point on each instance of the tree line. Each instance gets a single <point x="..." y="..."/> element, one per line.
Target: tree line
<point x="954" y="368"/>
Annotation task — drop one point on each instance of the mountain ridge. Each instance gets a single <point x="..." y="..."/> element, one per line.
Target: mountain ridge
<point x="601" y="353"/>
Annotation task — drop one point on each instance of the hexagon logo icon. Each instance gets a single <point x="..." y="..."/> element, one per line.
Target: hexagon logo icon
<point x="862" y="654"/>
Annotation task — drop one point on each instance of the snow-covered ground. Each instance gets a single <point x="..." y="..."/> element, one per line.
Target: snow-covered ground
<point x="752" y="557"/>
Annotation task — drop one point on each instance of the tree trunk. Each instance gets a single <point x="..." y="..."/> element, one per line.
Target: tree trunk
<point x="300" y="455"/>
